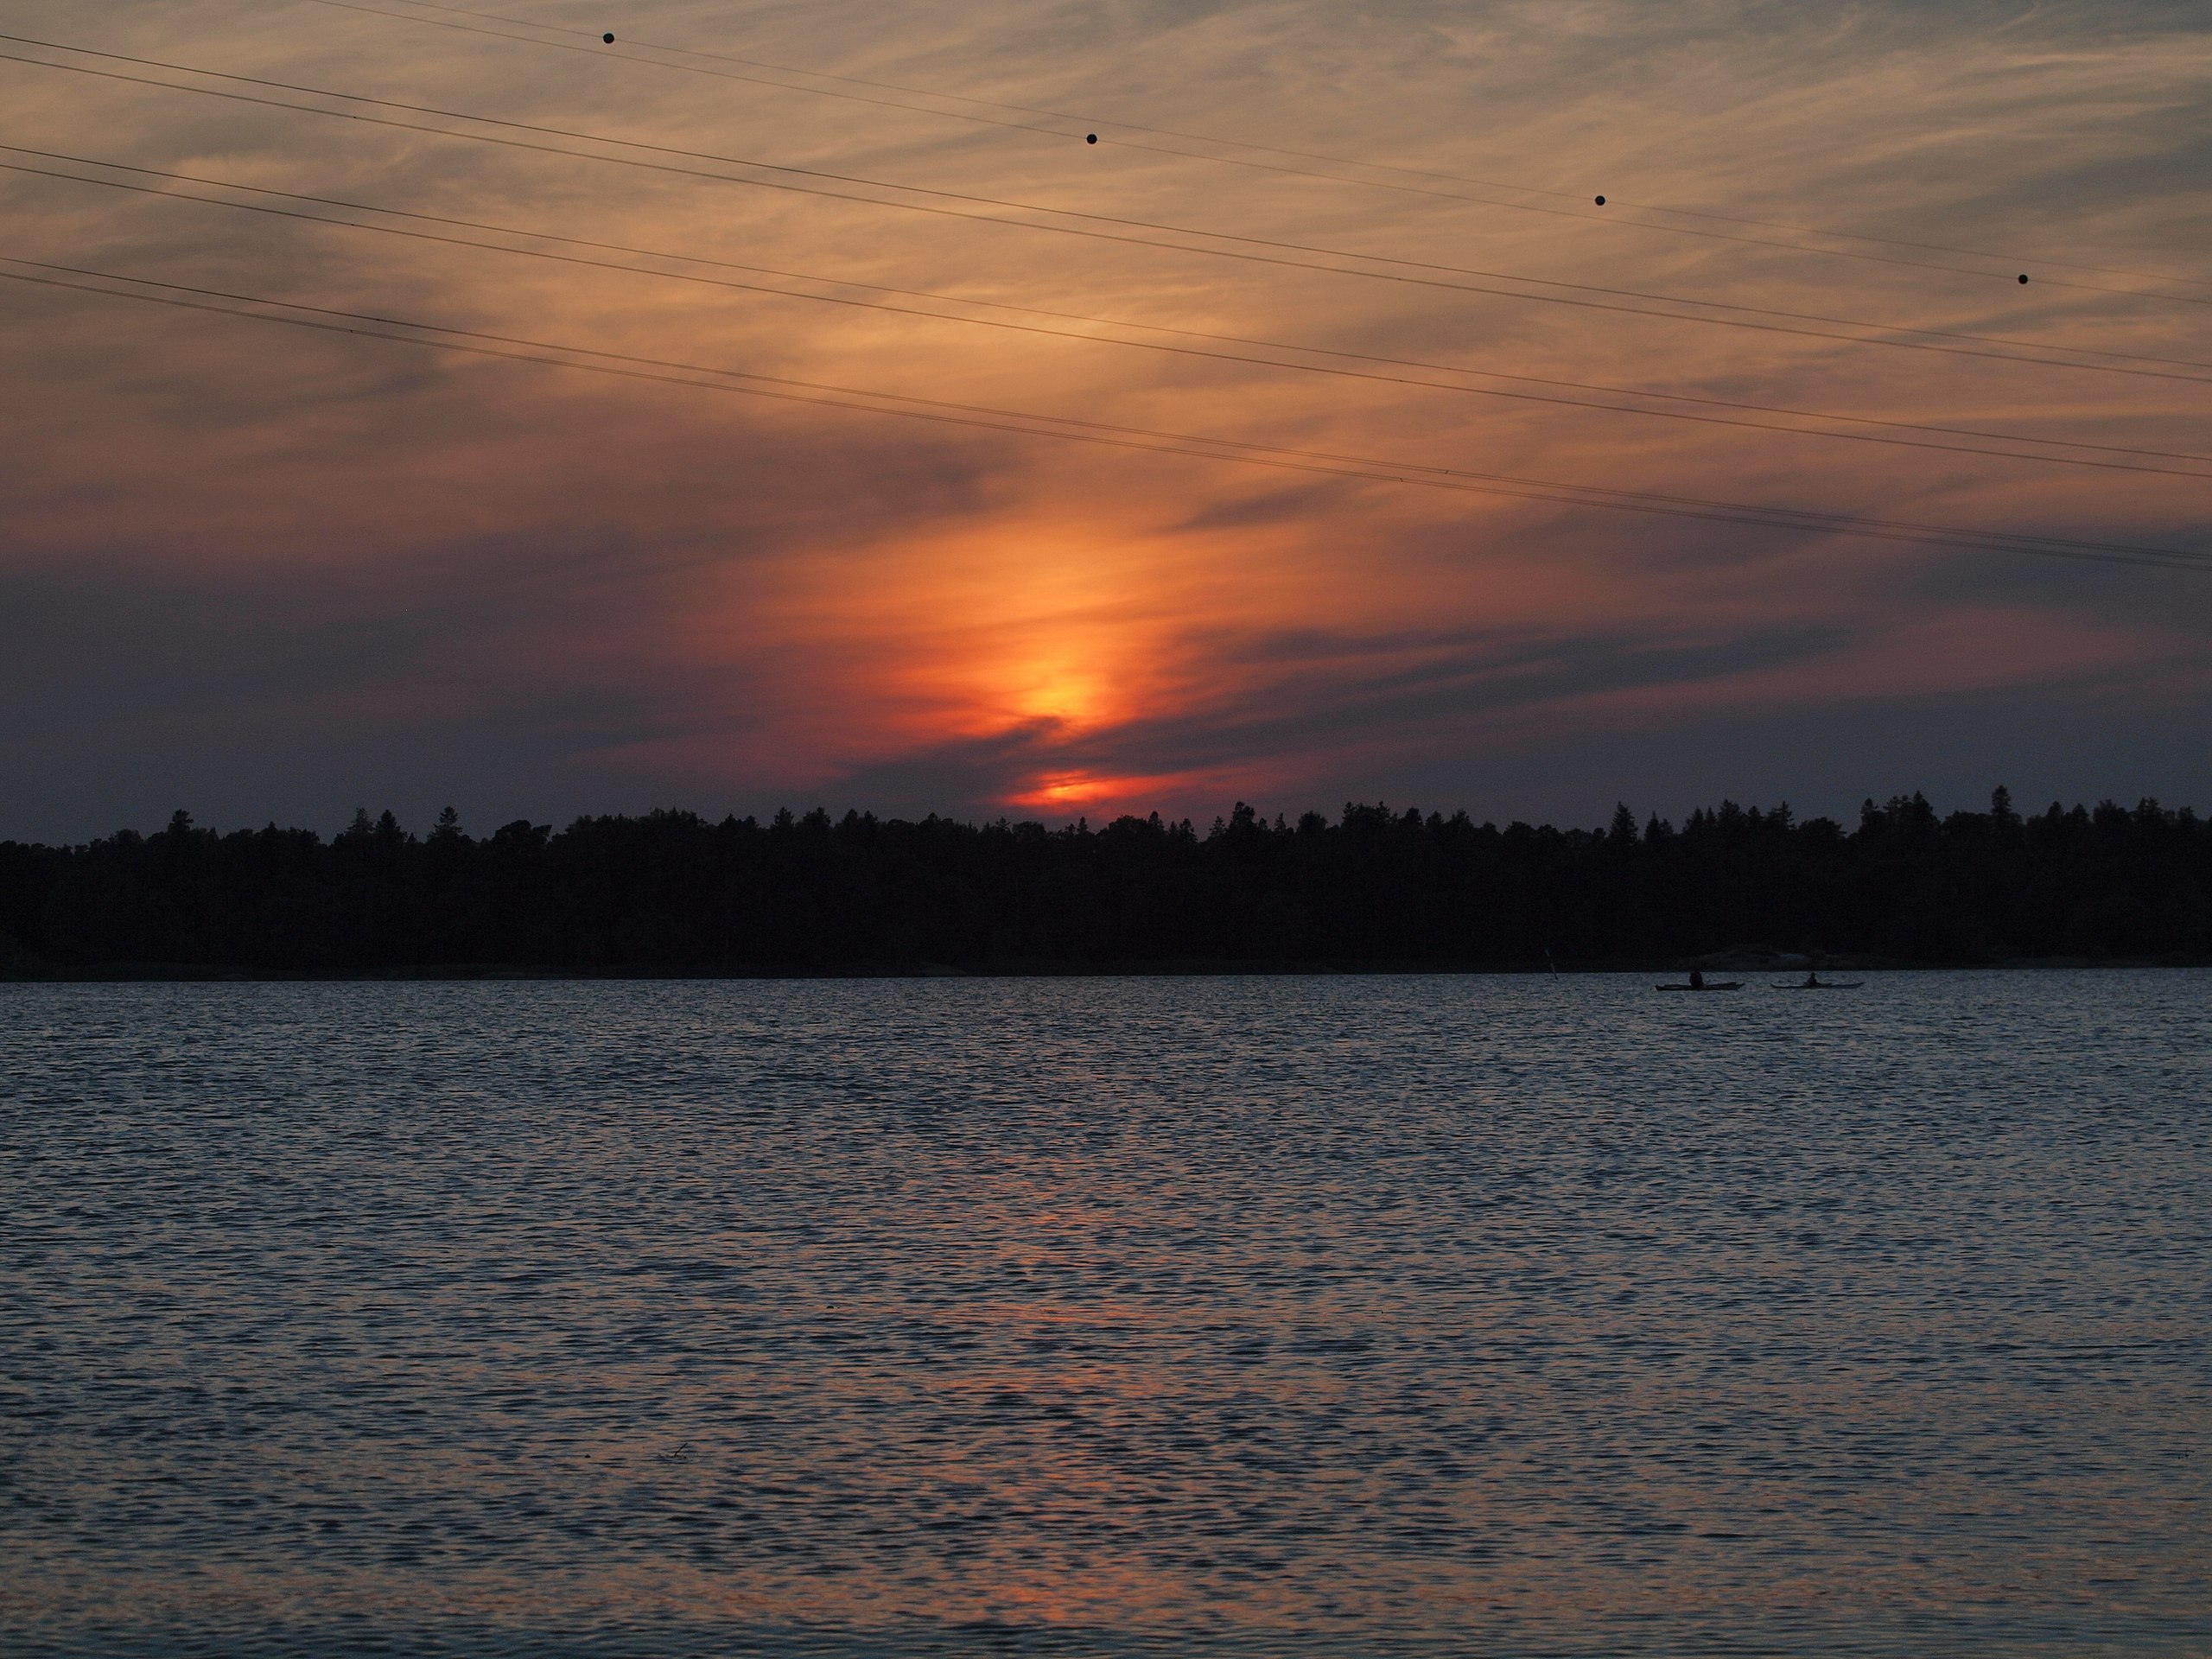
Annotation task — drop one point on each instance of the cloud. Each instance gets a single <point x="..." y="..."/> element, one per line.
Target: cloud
<point x="260" y="571"/>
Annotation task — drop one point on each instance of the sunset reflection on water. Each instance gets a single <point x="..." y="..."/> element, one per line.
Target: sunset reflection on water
<point x="1481" y="1315"/>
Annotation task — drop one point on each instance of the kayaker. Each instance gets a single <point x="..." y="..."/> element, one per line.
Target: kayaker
<point x="1697" y="980"/>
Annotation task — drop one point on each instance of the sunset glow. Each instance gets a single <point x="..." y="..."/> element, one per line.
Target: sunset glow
<point x="1047" y="509"/>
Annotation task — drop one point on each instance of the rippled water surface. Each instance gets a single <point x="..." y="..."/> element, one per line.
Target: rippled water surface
<point x="1246" y="1316"/>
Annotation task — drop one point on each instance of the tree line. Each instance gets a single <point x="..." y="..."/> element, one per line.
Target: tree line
<point x="674" y="892"/>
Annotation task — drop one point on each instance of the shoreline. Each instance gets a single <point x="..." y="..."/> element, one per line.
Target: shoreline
<point x="153" y="973"/>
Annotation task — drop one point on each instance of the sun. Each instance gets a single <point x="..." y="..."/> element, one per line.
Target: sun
<point x="1065" y="688"/>
<point x="1063" y="789"/>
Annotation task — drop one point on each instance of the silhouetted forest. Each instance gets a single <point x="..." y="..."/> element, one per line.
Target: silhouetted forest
<point x="674" y="892"/>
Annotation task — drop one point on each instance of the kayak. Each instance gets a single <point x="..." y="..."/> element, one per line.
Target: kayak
<point x="1717" y="985"/>
<point x="1825" y="985"/>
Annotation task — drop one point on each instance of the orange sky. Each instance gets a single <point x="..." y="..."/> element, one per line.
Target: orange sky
<point x="266" y="572"/>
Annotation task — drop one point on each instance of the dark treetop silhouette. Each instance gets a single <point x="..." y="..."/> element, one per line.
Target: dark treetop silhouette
<point x="673" y="891"/>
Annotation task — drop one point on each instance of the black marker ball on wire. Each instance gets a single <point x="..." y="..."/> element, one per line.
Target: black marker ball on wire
<point x="2024" y="276"/>
<point x="1601" y="201"/>
<point x="1090" y="138"/>
<point x="609" y="38"/>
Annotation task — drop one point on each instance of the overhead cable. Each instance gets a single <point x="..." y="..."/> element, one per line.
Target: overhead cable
<point x="1066" y="334"/>
<point x="2010" y="260"/>
<point x="748" y="383"/>
<point x="2121" y="362"/>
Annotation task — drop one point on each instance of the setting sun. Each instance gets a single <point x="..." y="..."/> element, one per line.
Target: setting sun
<point x="1067" y="692"/>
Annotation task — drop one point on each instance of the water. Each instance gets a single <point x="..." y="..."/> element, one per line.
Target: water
<point x="1237" y="1316"/>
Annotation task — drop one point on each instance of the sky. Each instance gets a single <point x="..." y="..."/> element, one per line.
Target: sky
<point x="268" y="572"/>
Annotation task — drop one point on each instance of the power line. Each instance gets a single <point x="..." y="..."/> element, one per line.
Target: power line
<point x="1062" y="333"/>
<point x="2118" y="366"/>
<point x="628" y="365"/>
<point x="1232" y="160"/>
<point x="1304" y="154"/>
<point x="1082" y="317"/>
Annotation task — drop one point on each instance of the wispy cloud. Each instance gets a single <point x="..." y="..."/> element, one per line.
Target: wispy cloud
<point x="263" y="571"/>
